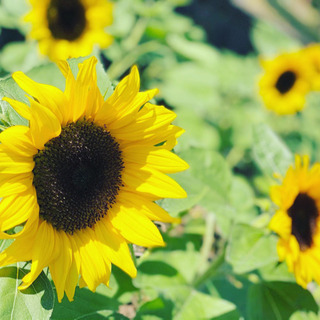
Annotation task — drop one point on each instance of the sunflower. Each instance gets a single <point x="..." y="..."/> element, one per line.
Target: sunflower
<point x="297" y="221"/>
<point x="70" y="28"/>
<point x="312" y="53"/>
<point x="285" y="82"/>
<point x="82" y="178"/>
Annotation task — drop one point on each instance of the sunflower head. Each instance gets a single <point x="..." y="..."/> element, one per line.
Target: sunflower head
<point x="70" y="28"/>
<point x="82" y="178"/>
<point x="285" y="82"/>
<point x="297" y="221"/>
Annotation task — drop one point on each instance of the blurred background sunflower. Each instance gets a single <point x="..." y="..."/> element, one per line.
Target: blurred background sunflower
<point x="66" y="29"/>
<point x="221" y="262"/>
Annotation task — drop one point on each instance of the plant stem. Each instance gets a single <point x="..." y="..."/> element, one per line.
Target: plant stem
<point x="117" y="68"/>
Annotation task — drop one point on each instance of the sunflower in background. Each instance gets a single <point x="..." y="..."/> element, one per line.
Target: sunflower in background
<point x="70" y="28"/>
<point x="297" y="221"/>
<point x="83" y="177"/>
<point x="285" y="82"/>
<point x="312" y="53"/>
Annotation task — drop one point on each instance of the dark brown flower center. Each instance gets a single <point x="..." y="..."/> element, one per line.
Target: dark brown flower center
<point x="286" y="81"/>
<point x="77" y="176"/>
<point x="304" y="214"/>
<point x="66" y="19"/>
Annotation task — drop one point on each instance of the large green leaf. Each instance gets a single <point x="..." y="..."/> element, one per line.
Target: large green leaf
<point x="36" y="302"/>
<point x="199" y="306"/>
<point x="250" y="248"/>
<point x="165" y="274"/>
<point x="278" y="301"/>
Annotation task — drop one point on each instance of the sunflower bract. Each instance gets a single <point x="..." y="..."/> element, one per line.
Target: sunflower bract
<point x="82" y="178"/>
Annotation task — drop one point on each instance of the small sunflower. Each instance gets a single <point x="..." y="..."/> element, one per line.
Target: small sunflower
<point x="70" y="28"/>
<point x="82" y="178"/>
<point x="285" y="82"/>
<point x="297" y="221"/>
<point x="312" y="53"/>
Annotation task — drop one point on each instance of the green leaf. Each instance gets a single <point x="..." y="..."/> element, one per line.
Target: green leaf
<point x="166" y="273"/>
<point x="195" y="191"/>
<point x="199" y="134"/>
<point x="269" y="152"/>
<point x="211" y="169"/>
<point x="202" y="306"/>
<point x="159" y="308"/>
<point x="19" y="56"/>
<point x="278" y="300"/>
<point x="301" y="315"/>
<point x="36" y="302"/>
<point x="167" y="269"/>
<point x="276" y="272"/>
<point x="250" y="248"/>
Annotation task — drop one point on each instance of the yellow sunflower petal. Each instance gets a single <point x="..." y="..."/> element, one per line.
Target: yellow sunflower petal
<point x="71" y="280"/>
<point x="147" y="207"/>
<point x="48" y="96"/>
<point x="115" y="247"/>
<point x="60" y="267"/>
<point x="151" y="181"/>
<point x="159" y="159"/>
<point x="122" y="99"/>
<point x="16" y="209"/>
<point x="108" y="115"/>
<point x="44" y="125"/>
<point x="15" y="164"/>
<point x="15" y="184"/>
<point x="17" y="140"/>
<point x="44" y="251"/>
<point x="20" y="107"/>
<point x="93" y="268"/>
<point x="85" y="90"/>
<point x="19" y="250"/>
<point x="134" y="226"/>
<point x="149" y="121"/>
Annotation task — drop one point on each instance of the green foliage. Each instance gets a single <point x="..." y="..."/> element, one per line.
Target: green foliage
<point x="251" y="252"/>
<point x="35" y="302"/>
<point x="278" y="300"/>
<point x="270" y="153"/>
<point x="221" y="262"/>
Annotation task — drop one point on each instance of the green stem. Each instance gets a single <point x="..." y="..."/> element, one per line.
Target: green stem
<point x="135" y="36"/>
<point x="211" y="271"/>
<point x="309" y="34"/>
<point x="208" y="241"/>
<point x="117" y="68"/>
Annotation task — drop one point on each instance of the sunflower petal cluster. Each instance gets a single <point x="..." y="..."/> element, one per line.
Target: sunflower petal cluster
<point x="138" y="134"/>
<point x="66" y="29"/>
<point x="297" y="220"/>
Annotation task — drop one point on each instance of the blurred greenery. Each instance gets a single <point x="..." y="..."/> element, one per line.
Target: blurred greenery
<point x="220" y="262"/>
